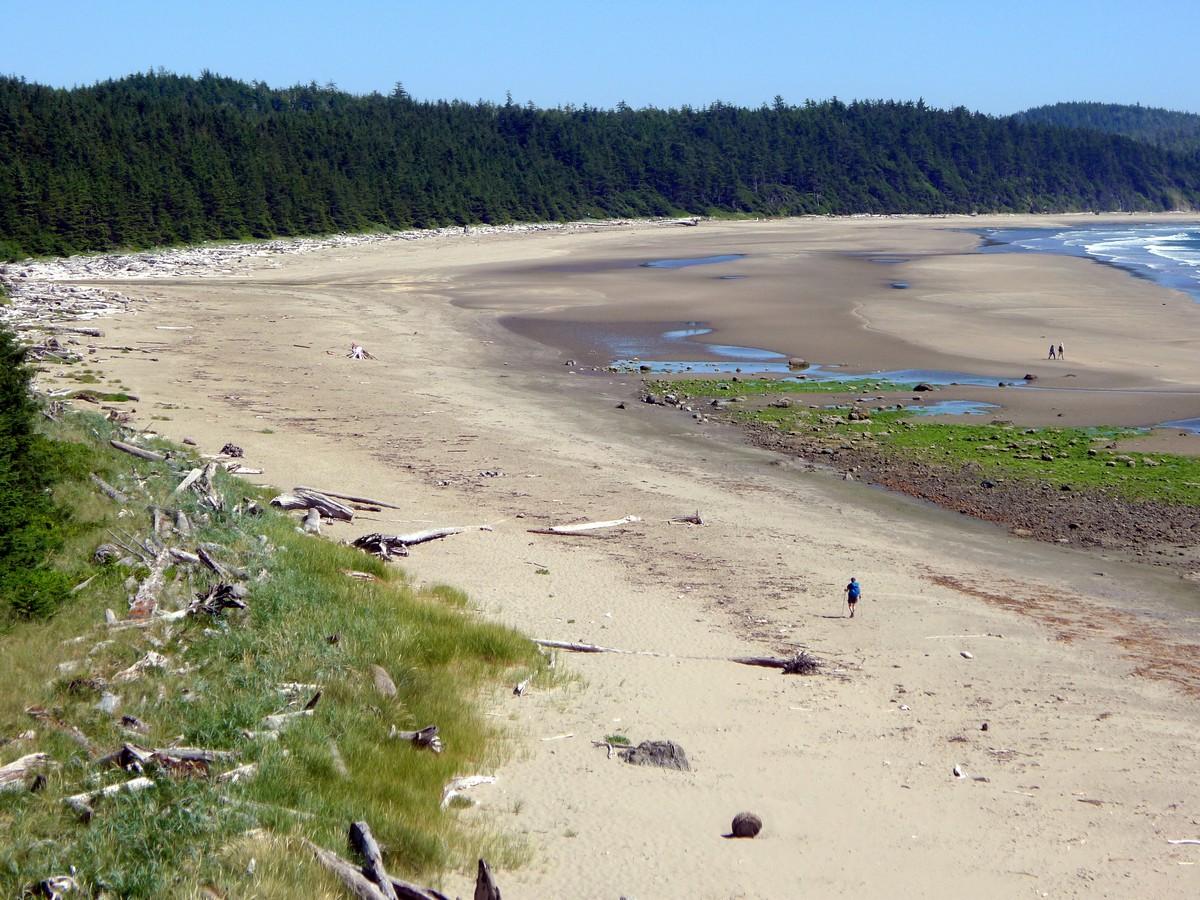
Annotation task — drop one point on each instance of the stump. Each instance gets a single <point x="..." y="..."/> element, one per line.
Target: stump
<point x="746" y="825"/>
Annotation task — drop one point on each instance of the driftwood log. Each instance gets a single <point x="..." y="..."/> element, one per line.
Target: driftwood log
<point x="108" y="489"/>
<point x="137" y="451"/>
<point x="372" y="882"/>
<point x="389" y="545"/>
<point x="191" y="478"/>
<point x="12" y="775"/>
<point x="364" y="842"/>
<point x="325" y="505"/>
<point x="585" y="526"/>
<point x="83" y="803"/>
<point x="426" y="737"/>
<point x="351" y="497"/>
<point x="485" y="883"/>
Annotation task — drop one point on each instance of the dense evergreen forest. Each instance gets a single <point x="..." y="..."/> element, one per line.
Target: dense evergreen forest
<point x="1179" y="131"/>
<point x="158" y="159"/>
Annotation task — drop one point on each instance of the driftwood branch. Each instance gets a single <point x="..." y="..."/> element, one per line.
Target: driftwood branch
<point x="351" y="497"/>
<point x="389" y="545"/>
<point x="585" y="526"/>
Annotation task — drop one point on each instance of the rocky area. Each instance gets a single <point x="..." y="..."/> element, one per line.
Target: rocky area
<point x="1160" y="533"/>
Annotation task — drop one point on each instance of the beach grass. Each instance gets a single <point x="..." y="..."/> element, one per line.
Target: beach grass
<point x="308" y="623"/>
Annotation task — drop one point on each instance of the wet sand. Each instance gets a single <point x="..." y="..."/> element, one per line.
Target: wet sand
<point x="1082" y="667"/>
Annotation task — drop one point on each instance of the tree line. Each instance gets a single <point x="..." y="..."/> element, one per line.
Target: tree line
<point x="157" y="159"/>
<point x="1165" y="128"/>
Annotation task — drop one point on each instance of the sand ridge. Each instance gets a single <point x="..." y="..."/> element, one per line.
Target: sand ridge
<point x="1087" y="768"/>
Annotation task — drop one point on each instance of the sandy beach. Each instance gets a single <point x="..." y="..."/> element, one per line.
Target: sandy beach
<point x="1085" y="670"/>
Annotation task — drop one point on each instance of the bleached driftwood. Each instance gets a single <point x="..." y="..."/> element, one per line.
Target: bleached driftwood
<point x="233" y="776"/>
<point x="585" y="526"/>
<point x="12" y="775"/>
<point x="456" y="786"/>
<point x="576" y="647"/>
<point x="151" y="660"/>
<point x="327" y="506"/>
<point x="351" y="497"/>
<point x="137" y="451"/>
<point x="82" y="803"/>
<point x="279" y="721"/>
<point x="389" y="545"/>
<point x="191" y="478"/>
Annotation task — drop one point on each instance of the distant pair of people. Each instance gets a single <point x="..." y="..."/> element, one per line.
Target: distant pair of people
<point x="1060" y="354"/>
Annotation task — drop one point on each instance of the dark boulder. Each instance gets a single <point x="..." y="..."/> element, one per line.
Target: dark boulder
<point x="667" y="754"/>
<point x="746" y="825"/>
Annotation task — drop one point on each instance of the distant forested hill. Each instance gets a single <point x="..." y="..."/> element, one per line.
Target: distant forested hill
<point x="159" y="159"/>
<point x="1161" y="127"/>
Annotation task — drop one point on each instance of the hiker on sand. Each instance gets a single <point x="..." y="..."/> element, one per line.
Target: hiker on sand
<point x="1061" y="355"/>
<point x="1051" y="356"/>
<point x="853" y="590"/>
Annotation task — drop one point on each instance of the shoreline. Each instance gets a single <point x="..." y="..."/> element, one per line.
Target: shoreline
<point x="1056" y="639"/>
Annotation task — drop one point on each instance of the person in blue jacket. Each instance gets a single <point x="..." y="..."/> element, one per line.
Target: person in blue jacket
<point x="853" y="592"/>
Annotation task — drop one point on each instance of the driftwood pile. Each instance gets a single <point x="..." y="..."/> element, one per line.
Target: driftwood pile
<point x="47" y="296"/>
<point x="163" y="540"/>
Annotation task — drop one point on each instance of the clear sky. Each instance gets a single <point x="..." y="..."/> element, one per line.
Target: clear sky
<point x="992" y="56"/>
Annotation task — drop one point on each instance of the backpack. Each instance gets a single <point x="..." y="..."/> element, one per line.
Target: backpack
<point x="855" y="590"/>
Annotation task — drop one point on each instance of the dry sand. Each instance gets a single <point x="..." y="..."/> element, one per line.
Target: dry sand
<point x="1086" y="770"/>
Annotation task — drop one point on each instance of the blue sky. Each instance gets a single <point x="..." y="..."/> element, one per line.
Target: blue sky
<point x="988" y="55"/>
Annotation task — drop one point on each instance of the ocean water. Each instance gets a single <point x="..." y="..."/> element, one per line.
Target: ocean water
<point x="1168" y="254"/>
